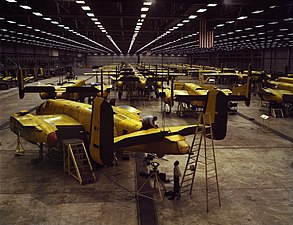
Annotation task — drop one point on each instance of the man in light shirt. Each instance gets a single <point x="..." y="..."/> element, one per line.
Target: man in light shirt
<point x="176" y="176"/>
<point x="149" y="122"/>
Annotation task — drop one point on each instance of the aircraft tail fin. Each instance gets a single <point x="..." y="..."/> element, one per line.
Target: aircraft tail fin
<point x="248" y="86"/>
<point x="216" y="106"/>
<point x="20" y="80"/>
<point x="248" y="90"/>
<point x="102" y="132"/>
<point x="243" y="92"/>
<point x="32" y="89"/>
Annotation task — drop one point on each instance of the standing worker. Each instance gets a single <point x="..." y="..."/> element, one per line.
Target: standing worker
<point x="176" y="176"/>
<point x="149" y="122"/>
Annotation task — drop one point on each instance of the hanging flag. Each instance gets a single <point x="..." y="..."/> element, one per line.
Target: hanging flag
<point x="206" y="38"/>
<point x="210" y="39"/>
<point x="202" y="33"/>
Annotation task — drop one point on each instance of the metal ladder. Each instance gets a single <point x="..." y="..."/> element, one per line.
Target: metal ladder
<point x="207" y="158"/>
<point x="76" y="161"/>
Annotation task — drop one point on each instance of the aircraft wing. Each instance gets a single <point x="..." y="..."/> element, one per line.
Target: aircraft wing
<point x="38" y="89"/>
<point x="151" y="135"/>
<point x="180" y="92"/>
<point x="267" y="91"/>
<point x="42" y="128"/>
<point x="129" y="109"/>
<point x="189" y="98"/>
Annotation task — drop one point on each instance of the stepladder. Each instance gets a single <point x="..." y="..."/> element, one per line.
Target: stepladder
<point x="202" y="158"/>
<point x="76" y="161"/>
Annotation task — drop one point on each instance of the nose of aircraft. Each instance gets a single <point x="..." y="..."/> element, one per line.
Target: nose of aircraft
<point x="52" y="139"/>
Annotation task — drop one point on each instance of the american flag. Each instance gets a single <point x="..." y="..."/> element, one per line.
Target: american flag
<point x="206" y="38"/>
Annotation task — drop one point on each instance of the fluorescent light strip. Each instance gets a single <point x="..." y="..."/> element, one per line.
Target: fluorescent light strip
<point x="59" y="44"/>
<point x="54" y="35"/>
<point x="103" y="30"/>
<point x="25" y="6"/>
<point x="171" y="29"/>
<point x="55" y="22"/>
<point x="139" y="24"/>
<point x="229" y="43"/>
<point x="257" y="11"/>
<point x="172" y="42"/>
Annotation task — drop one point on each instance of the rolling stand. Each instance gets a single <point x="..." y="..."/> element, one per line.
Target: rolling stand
<point x="145" y="191"/>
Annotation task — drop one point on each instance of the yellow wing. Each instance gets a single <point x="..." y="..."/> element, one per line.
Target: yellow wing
<point x="152" y="135"/>
<point x="42" y="128"/>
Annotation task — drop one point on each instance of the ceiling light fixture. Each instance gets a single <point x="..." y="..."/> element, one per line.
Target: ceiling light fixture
<point x="257" y="11"/>
<point x="241" y="17"/>
<point x="144" y="9"/>
<point x="192" y="17"/>
<point x="147" y="3"/>
<point x="25" y="7"/>
<point x="201" y="10"/>
<point x="86" y="8"/>
<point x="37" y="14"/>
<point x="288" y="19"/>
<point x="272" y="23"/>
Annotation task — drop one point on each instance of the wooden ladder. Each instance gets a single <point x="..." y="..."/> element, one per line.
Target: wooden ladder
<point x="207" y="158"/>
<point x="77" y="162"/>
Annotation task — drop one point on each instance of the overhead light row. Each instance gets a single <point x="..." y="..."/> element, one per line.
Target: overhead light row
<point x="168" y="31"/>
<point x="172" y="42"/>
<point x="53" y="35"/>
<point x="182" y="23"/>
<point x="30" y="36"/>
<point x="30" y="41"/>
<point x="145" y="8"/>
<point x="59" y="25"/>
<point x="233" y="41"/>
<point x="97" y="22"/>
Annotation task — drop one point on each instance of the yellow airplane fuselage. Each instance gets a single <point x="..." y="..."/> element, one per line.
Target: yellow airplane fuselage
<point x="124" y="121"/>
<point x="191" y="89"/>
<point x="43" y="127"/>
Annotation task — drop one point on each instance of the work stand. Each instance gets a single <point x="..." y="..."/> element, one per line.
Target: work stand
<point x="19" y="150"/>
<point x="158" y="185"/>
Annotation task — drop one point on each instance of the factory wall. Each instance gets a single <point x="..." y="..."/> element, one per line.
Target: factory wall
<point x="14" y="55"/>
<point x="153" y="59"/>
<point x="270" y="59"/>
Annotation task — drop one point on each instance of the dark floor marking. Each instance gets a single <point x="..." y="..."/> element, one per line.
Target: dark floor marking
<point x="284" y="136"/>
<point x="4" y="125"/>
<point x="146" y="208"/>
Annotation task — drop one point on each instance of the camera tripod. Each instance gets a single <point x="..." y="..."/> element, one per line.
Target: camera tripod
<point x="157" y="183"/>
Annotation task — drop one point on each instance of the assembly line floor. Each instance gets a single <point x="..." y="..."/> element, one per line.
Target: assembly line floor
<point x="254" y="162"/>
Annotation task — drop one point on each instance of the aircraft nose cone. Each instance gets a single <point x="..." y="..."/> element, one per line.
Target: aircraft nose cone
<point x="52" y="139"/>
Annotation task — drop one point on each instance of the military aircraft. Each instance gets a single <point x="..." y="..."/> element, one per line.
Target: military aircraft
<point x="136" y="82"/>
<point x="103" y="127"/>
<point x="196" y="94"/>
<point x="69" y="90"/>
<point x="278" y="93"/>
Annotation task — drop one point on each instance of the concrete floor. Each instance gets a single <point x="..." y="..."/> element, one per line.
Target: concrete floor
<point x="254" y="164"/>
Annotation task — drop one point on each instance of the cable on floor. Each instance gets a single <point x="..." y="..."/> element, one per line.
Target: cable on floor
<point x="119" y="185"/>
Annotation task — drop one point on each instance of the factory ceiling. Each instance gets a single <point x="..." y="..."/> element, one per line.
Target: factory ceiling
<point x="144" y="26"/>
